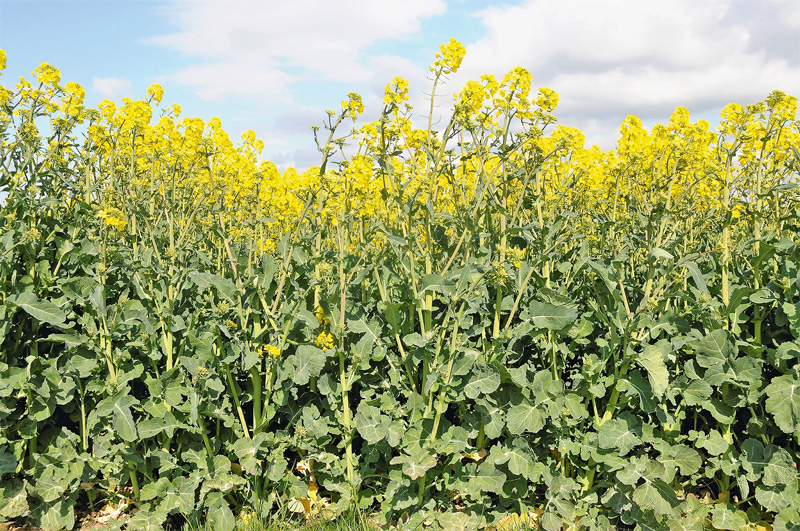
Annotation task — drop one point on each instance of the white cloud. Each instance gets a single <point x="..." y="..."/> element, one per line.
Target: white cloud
<point x="617" y="57"/>
<point x="112" y="88"/>
<point x="251" y="47"/>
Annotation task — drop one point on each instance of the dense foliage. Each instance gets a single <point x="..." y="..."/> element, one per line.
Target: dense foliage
<point x="476" y="326"/>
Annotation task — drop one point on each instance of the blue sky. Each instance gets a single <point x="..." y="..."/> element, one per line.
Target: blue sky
<point x="275" y="66"/>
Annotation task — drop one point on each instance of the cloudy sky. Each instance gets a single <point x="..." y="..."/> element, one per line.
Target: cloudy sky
<point x="275" y="66"/>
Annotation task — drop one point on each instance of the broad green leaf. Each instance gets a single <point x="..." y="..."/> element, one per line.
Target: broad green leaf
<point x="306" y="363"/>
<point x="714" y="348"/>
<point x="550" y="316"/>
<point x="787" y="520"/>
<point x="181" y="493"/>
<point x="483" y="478"/>
<point x="713" y="443"/>
<point x="658" y="496"/>
<point x="461" y="521"/>
<point x="779" y="497"/>
<point x="220" y="516"/>
<point x="783" y="401"/>
<point x="519" y="457"/>
<point x="8" y="463"/>
<point x="57" y="515"/>
<point x="154" y="489"/>
<point x="153" y="426"/>
<point x="686" y="459"/>
<point x="780" y="469"/>
<point x="415" y="466"/>
<point x="635" y="383"/>
<point x="484" y="379"/>
<point x="371" y="424"/>
<point x="391" y="311"/>
<point x="652" y="360"/>
<point x="619" y="433"/>
<point x="727" y="517"/>
<point x="764" y="296"/>
<point x="686" y="523"/>
<point x="204" y="280"/>
<point x="416" y="340"/>
<point x="697" y="392"/>
<point x="697" y="276"/>
<point x="70" y="340"/>
<point x="123" y="421"/>
<point x="51" y="484"/>
<point x="13" y="498"/>
<point x="44" y="311"/>
<point x="523" y="418"/>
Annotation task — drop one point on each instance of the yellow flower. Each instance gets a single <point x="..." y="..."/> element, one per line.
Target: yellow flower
<point x="2" y="59"/>
<point x="547" y="99"/>
<point x="108" y="108"/>
<point x="156" y="91"/>
<point x="113" y="218"/>
<point x="323" y="320"/>
<point x="47" y="74"/>
<point x="396" y="92"/>
<point x="271" y="350"/>
<point x="354" y="105"/>
<point x="449" y="57"/>
<point x="325" y="340"/>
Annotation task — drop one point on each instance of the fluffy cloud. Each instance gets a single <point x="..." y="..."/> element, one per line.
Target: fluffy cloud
<point x="111" y="88"/>
<point x="618" y="57"/>
<point x="253" y="47"/>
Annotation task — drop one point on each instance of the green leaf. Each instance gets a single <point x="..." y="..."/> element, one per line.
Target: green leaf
<point x="783" y="402"/>
<point x="485" y="379"/>
<point x="204" y="280"/>
<point x="415" y="466"/>
<point x="8" y="463"/>
<point x="524" y="418"/>
<point x="306" y="363"/>
<point x="70" y="340"/>
<point x="43" y="311"/>
<point x="697" y="276"/>
<point x="13" y="498"/>
<point x="635" y="384"/>
<point x="697" y="393"/>
<point x="371" y="424"/>
<point x="764" y="296"/>
<point x="652" y="360"/>
<point x="519" y="457"/>
<point x="119" y="406"/>
<point x="620" y="433"/>
<point x="682" y="457"/>
<point x="780" y="469"/>
<point x="550" y="316"/>
<point x="658" y="496"/>
<point x="153" y="426"/>
<point x="714" y="443"/>
<point x="714" y="348"/>
<point x="57" y="515"/>
<point x="787" y="520"/>
<point x="727" y="517"/>
<point x="481" y="479"/>
<point x="220" y="516"/>
<point x="460" y="521"/>
<point x="779" y="497"/>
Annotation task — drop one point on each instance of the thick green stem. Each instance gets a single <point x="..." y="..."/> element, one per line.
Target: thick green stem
<point x="235" y="392"/>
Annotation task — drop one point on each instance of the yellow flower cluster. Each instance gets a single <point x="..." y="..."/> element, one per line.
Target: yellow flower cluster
<point x="113" y="217"/>
<point x="325" y="340"/>
<point x="449" y="57"/>
<point x="321" y="317"/>
<point x="271" y="350"/>
<point x="160" y="160"/>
